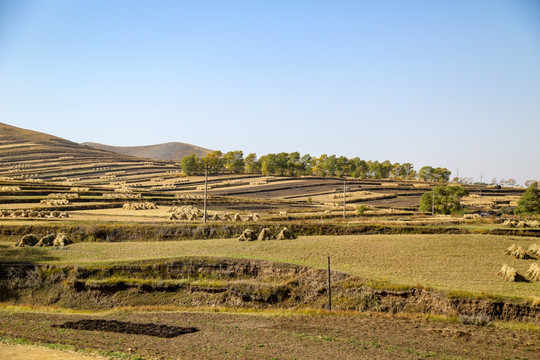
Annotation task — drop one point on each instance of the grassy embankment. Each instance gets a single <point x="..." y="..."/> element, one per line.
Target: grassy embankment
<point x="454" y="263"/>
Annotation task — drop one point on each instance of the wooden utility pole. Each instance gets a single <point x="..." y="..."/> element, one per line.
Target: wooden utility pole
<point x="205" y="191"/>
<point x="433" y="202"/>
<point x="329" y="287"/>
<point x="344" y="198"/>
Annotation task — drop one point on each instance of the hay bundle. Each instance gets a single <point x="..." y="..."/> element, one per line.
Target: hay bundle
<point x="215" y="217"/>
<point x="510" y="249"/>
<point x="28" y="240"/>
<point x="249" y="218"/>
<point x="192" y="217"/>
<point x="507" y="223"/>
<point x="55" y="214"/>
<point x="17" y="213"/>
<point x="508" y="273"/>
<point x="61" y="240"/>
<point x="64" y="214"/>
<point x="237" y="217"/>
<point x="6" y="213"/>
<point x="534" y="250"/>
<point x="522" y="224"/>
<point x="47" y="240"/>
<point x="265" y="234"/>
<point x="533" y="223"/>
<point x="533" y="273"/>
<point x="519" y="253"/>
<point x="285" y="234"/>
<point x="226" y="217"/>
<point x="182" y="216"/>
<point x="256" y="217"/>
<point x="248" y="235"/>
<point x="173" y="217"/>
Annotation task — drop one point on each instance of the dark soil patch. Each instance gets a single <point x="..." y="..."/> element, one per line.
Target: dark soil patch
<point x="163" y="331"/>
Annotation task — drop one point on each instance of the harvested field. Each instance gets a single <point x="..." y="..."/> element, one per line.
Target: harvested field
<point x="470" y="262"/>
<point x="279" y="335"/>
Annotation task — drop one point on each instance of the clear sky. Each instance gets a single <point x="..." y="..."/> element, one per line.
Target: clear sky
<point x="443" y="83"/>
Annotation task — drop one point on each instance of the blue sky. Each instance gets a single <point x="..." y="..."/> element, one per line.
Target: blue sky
<point x="441" y="83"/>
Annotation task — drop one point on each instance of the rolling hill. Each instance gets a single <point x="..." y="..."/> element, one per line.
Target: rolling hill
<point x="172" y="151"/>
<point x="28" y="154"/>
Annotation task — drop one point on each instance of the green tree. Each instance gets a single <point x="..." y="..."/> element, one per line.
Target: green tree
<point x="529" y="203"/>
<point x="190" y="164"/>
<point x="268" y="164"/>
<point x="234" y="161"/>
<point x="214" y="161"/>
<point x="251" y="165"/>
<point x="447" y="199"/>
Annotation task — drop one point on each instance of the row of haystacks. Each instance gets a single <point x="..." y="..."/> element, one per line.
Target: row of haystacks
<point x="519" y="253"/>
<point x="521" y="224"/>
<point x="10" y="189"/>
<point x="123" y="196"/>
<point x="510" y="274"/>
<point x="33" y="214"/>
<point x="190" y="196"/>
<point x="215" y="217"/>
<point x="147" y="205"/>
<point x="266" y="234"/>
<point x="79" y="189"/>
<point x="54" y="202"/>
<point x="52" y="239"/>
<point x="63" y="196"/>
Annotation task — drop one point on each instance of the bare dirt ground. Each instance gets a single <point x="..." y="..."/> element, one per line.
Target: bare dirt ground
<point x="29" y="352"/>
<point x="270" y="336"/>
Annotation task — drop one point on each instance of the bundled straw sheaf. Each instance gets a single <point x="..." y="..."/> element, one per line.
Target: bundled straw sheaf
<point x="534" y="272"/>
<point x="508" y="273"/>
<point x="534" y="251"/>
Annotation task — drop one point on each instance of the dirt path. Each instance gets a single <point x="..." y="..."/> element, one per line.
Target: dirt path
<point x="233" y="336"/>
<point x="30" y="352"/>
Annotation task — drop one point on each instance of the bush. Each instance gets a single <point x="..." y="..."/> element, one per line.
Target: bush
<point x="361" y="209"/>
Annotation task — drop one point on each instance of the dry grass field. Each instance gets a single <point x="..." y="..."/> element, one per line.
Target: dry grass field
<point x="447" y="262"/>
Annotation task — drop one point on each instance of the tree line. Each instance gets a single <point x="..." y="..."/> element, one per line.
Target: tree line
<point x="295" y="164"/>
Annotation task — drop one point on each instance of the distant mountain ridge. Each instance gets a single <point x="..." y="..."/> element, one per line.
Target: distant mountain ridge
<point x="20" y="145"/>
<point x="171" y="151"/>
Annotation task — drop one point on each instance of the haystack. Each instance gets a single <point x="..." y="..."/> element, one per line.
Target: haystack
<point x="522" y="224"/>
<point x="510" y="249"/>
<point x="519" y="253"/>
<point x="28" y="240"/>
<point x="285" y="234"/>
<point x="61" y="240"/>
<point x="534" y="250"/>
<point x="533" y="223"/>
<point x="47" y="240"/>
<point x="192" y="217"/>
<point x="248" y="235"/>
<point x="226" y="217"/>
<point x="533" y="273"/>
<point x="182" y="216"/>
<point x="173" y="217"/>
<point x="265" y="234"/>
<point x="256" y="217"/>
<point x="249" y="218"/>
<point x="237" y="217"/>
<point x="215" y="217"/>
<point x="64" y="214"/>
<point x="508" y="273"/>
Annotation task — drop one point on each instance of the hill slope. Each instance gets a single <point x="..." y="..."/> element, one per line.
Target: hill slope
<point x="172" y="151"/>
<point x="28" y="154"/>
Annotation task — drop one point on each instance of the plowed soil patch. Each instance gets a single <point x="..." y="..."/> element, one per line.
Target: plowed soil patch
<point x="163" y="331"/>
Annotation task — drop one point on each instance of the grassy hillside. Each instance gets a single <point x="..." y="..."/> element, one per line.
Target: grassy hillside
<point x="447" y="262"/>
<point x="172" y="151"/>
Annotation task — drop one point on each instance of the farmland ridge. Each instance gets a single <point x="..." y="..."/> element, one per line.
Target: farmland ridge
<point x="171" y="151"/>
